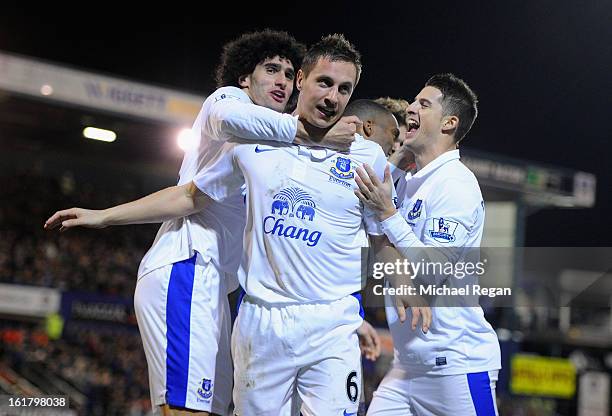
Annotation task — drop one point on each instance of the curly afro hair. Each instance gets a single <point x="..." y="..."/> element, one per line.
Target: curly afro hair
<point x="242" y="55"/>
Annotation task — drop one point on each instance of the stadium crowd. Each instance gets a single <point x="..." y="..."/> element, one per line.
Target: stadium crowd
<point x="105" y="363"/>
<point x="91" y="261"/>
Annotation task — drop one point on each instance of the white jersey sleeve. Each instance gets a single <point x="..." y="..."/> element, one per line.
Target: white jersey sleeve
<point x="455" y="217"/>
<point x="222" y="178"/>
<point x="454" y="221"/>
<point x="231" y="114"/>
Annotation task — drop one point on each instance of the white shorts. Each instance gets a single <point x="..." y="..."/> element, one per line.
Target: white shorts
<point x="453" y="395"/>
<point x="293" y="357"/>
<point x="184" y="320"/>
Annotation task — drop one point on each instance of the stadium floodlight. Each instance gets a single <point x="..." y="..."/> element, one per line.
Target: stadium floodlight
<point x="99" y="134"/>
<point x="46" y="89"/>
<point x="186" y="139"/>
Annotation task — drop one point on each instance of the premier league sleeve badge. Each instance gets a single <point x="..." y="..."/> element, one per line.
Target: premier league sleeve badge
<point x="443" y="230"/>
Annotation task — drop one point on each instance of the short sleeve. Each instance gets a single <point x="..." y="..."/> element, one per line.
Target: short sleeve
<point x="454" y="216"/>
<point x="221" y="177"/>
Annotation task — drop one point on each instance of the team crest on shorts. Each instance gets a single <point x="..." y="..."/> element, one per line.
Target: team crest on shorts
<point x="415" y="212"/>
<point x="205" y="390"/>
<point x="342" y="169"/>
<point x="443" y="230"/>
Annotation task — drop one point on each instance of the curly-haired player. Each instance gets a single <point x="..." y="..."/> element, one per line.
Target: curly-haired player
<point x="183" y="280"/>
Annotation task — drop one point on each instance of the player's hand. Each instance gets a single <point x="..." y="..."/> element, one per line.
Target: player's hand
<point x="369" y="341"/>
<point x="419" y="308"/>
<point x="339" y="137"/>
<point x="375" y="194"/>
<point x="342" y="135"/>
<point x="75" y="217"/>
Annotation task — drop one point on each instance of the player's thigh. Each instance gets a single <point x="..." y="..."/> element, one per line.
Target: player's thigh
<point x="333" y="385"/>
<point x="224" y="370"/>
<point x="181" y="315"/>
<point x="391" y="396"/>
<point x="455" y="395"/>
<point x="264" y="371"/>
<point x="482" y="388"/>
<point x="210" y="375"/>
<point x="150" y="308"/>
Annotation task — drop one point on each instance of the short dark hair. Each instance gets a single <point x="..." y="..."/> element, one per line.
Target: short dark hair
<point x="397" y="106"/>
<point x="458" y="99"/>
<point x="335" y="48"/>
<point x="242" y="55"/>
<point x="366" y="109"/>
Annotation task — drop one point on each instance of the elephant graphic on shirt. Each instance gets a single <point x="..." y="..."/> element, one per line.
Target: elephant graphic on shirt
<point x="281" y="206"/>
<point x="305" y="212"/>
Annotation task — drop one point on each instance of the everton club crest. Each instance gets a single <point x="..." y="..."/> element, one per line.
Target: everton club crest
<point x="205" y="390"/>
<point x="342" y="170"/>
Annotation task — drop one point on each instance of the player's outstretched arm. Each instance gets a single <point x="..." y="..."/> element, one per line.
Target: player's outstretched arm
<point x="169" y="203"/>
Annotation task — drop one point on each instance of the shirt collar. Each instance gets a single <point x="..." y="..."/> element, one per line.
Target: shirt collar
<point x="437" y="162"/>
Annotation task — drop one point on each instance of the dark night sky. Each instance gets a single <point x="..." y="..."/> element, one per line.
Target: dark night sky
<point x="542" y="69"/>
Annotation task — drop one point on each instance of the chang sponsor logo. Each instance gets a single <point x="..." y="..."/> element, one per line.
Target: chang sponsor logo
<point x="292" y="204"/>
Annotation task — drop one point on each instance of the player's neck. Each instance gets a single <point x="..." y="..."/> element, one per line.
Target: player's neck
<point x="314" y="131"/>
<point x="430" y="153"/>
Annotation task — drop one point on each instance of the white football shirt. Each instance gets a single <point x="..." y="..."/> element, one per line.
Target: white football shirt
<point x="305" y="226"/>
<point x="442" y="207"/>
<point x="216" y="232"/>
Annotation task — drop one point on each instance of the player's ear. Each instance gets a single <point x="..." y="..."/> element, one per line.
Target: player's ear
<point x="450" y="124"/>
<point x="299" y="79"/>
<point x="367" y="127"/>
<point x="244" y="81"/>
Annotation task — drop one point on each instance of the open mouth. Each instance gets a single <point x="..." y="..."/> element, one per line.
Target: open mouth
<point x="327" y="112"/>
<point x="278" y="96"/>
<point x="413" y="125"/>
